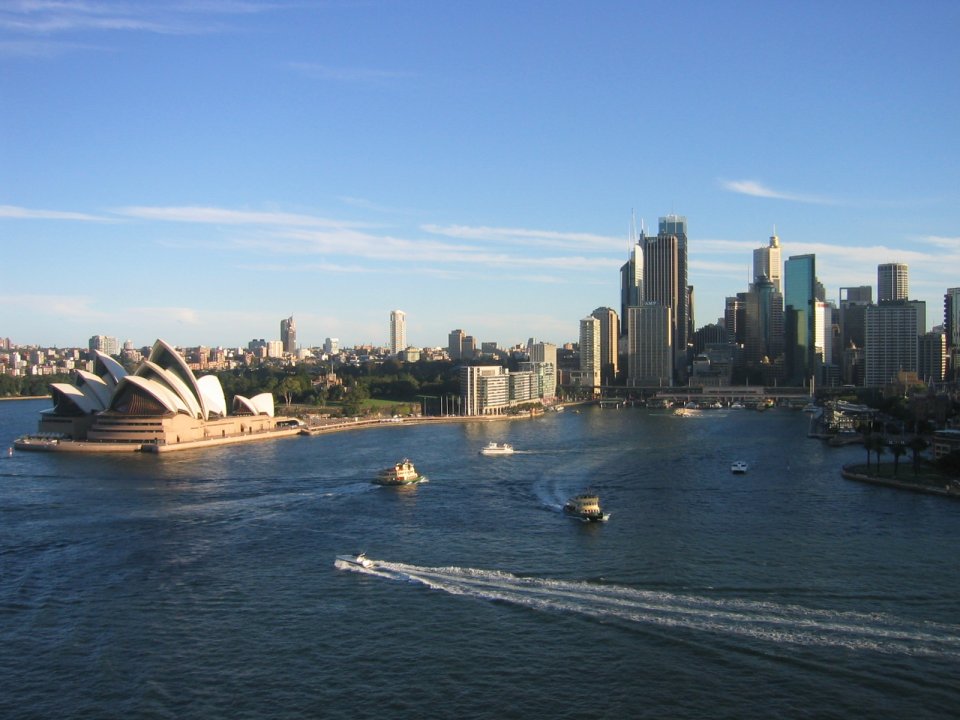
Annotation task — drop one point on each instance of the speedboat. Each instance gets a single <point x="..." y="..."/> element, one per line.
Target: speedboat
<point x="497" y="449"/>
<point x="585" y="507"/>
<point x="360" y="560"/>
<point x="739" y="467"/>
<point x="401" y="473"/>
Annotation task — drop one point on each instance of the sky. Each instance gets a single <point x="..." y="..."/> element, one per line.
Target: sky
<point x="198" y="171"/>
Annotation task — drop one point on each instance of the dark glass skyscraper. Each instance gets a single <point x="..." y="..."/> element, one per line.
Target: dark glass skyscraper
<point x="800" y="285"/>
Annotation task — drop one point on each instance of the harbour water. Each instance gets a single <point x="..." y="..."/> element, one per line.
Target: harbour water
<point x="202" y="584"/>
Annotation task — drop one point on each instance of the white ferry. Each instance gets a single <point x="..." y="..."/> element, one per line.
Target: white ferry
<point x="739" y="467"/>
<point x="585" y="507"/>
<point x="401" y="473"/>
<point x="497" y="449"/>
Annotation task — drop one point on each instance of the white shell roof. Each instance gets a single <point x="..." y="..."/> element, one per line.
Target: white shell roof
<point x="212" y="393"/>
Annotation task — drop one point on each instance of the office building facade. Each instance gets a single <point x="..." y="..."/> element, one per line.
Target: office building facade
<point x="892" y="282"/>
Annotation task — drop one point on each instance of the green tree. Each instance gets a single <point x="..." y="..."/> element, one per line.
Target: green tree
<point x="879" y="447"/>
<point x="898" y="449"/>
<point x="917" y="445"/>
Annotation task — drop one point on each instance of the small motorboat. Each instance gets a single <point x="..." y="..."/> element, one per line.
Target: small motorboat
<point x="739" y="467"/>
<point x="585" y="507"/>
<point x="360" y="560"/>
<point x="497" y="449"/>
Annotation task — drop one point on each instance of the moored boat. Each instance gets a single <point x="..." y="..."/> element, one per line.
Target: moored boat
<point x="739" y="467"/>
<point x="585" y="507"/>
<point x="497" y="449"/>
<point x="401" y="473"/>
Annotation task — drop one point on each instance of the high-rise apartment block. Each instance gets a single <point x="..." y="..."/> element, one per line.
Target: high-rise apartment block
<point x="891" y="341"/>
<point x="590" y="352"/>
<point x="398" y="331"/>
<point x="105" y="344"/>
<point x="331" y="346"/>
<point x="892" y="282"/>
<point x="609" y="343"/>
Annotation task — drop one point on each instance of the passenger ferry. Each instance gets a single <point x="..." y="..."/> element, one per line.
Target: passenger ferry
<point x="401" y="473"/>
<point x="585" y="507"/>
<point x="739" y="467"/>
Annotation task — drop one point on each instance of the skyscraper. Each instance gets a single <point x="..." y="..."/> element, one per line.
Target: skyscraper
<point x="650" y="351"/>
<point x="609" y="343"/>
<point x="800" y="281"/>
<point x="631" y="280"/>
<point x="665" y="282"/>
<point x="398" y="331"/>
<point x="951" y="317"/>
<point x="892" y="282"/>
<point x="590" y="351"/>
<point x="455" y="344"/>
<point x="766" y="263"/>
<point x="288" y="335"/>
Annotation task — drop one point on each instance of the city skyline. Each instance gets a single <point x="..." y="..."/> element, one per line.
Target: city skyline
<point x="198" y="175"/>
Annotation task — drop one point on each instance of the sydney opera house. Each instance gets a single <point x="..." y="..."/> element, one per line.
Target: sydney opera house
<point x="163" y="406"/>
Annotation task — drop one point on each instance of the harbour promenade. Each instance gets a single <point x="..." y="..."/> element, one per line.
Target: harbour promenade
<point x="939" y="486"/>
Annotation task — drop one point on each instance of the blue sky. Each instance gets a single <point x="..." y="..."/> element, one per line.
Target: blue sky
<point x="197" y="171"/>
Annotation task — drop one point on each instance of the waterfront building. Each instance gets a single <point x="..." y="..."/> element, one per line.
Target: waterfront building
<point x="491" y="390"/>
<point x="892" y="282"/>
<point x="161" y="406"/>
<point x="649" y="352"/>
<point x="766" y="263"/>
<point x="288" y="335"/>
<point x="590" y="351"/>
<point x="891" y="341"/>
<point x="609" y="343"/>
<point x="398" y="331"/>
<point x="543" y="379"/>
<point x="545" y="354"/>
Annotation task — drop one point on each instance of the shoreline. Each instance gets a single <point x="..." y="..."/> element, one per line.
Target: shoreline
<point x="945" y="490"/>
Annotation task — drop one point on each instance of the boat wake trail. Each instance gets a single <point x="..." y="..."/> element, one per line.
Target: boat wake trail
<point x="759" y="620"/>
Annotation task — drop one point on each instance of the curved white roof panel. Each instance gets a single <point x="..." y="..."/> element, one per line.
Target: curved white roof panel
<point x="243" y="406"/>
<point x="140" y="396"/>
<point x="107" y="368"/>
<point x="263" y="403"/>
<point x="152" y="371"/>
<point x="95" y="386"/>
<point x="212" y="393"/>
<point x="168" y="358"/>
<point x="69" y="400"/>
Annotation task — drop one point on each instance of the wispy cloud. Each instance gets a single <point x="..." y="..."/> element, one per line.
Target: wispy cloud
<point x="756" y="189"/>
<point x="59" y="22"/>
<point x="22" y="213"/>
<point x="527" y="236"/>
<point x="320" y="71"/>
<point x="226" y="216"/>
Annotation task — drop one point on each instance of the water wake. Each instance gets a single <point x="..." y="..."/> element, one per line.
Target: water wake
<point x="759" y="620"/>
